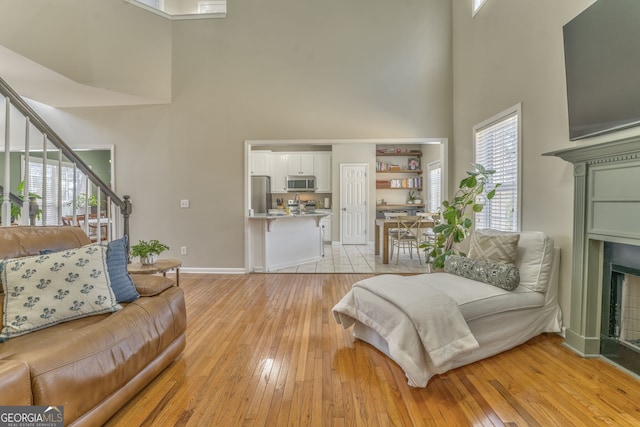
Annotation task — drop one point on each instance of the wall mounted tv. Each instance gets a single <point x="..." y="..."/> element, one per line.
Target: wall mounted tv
<point x="602" y="63"/>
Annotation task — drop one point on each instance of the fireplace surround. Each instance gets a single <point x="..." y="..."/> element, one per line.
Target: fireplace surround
<point x="606" y="211"/>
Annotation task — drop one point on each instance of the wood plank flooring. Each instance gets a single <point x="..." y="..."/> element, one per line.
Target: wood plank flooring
<point x="264" y="350"/>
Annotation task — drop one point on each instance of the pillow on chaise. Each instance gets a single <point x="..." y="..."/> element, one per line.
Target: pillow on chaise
<point x="505" y="276"/>
<point x="44" y="290"/>
<point x="489" y="245"/>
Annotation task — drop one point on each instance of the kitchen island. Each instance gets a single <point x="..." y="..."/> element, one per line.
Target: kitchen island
<point x="278" y="240"/>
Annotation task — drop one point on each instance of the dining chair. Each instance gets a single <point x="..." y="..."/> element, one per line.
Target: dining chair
<point x="393" y="231"/>
<point x="407" y="234"/>
<point x="427" y="232"/>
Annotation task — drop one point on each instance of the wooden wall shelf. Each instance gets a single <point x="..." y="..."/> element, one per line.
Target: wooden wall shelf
<point x="403" y="154"/>
<point x="401" y="171"/>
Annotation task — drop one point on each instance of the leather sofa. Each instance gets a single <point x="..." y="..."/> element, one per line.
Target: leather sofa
<point x="93" y="365"/>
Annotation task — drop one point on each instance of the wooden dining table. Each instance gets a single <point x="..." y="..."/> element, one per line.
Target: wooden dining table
<point x="386" y="225"/>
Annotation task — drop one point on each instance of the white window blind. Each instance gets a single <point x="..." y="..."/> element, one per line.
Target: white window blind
<point x="497" y="147"/>
<point x="434" y="180"/>
<point x="57" y="182"/>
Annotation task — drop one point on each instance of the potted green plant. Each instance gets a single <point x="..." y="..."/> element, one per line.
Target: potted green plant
<point x="16" y="210"/>
<point x="456" y="222"/>
<point x="82" y="201"/>
<point x="148" y="251"/>
<point x="412" y="197"/>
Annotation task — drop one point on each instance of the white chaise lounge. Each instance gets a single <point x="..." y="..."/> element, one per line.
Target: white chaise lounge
<point x="431" y="323"/>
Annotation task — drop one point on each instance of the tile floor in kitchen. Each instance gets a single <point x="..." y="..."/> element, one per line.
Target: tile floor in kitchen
<point x="359" y="259"/>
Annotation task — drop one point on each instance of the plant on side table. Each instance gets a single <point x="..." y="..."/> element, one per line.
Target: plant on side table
<point x="148" y="251"/>
<point x="456" y="221"/>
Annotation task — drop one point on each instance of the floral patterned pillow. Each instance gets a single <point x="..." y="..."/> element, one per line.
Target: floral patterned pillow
<point x="44" y="290"/>
<point x="505" y="276"/>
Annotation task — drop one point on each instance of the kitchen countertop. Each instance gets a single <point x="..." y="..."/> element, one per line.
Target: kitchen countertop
<point x="291" y="215"/>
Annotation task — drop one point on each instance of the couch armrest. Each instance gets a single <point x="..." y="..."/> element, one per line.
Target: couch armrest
<point x="149" y="285"/>
<point x="15" y="383"/>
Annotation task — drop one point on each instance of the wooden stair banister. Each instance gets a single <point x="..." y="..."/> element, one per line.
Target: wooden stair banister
<point x="13" y="99"/>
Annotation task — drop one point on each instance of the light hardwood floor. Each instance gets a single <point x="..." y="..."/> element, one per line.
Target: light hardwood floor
<point x="264" y="350"/>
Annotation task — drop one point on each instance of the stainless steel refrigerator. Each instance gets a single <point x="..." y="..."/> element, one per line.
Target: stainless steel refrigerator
<point x="260" y="194"/>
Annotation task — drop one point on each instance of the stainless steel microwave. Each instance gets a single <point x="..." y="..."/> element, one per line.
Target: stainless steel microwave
<point x="301" y="183"/>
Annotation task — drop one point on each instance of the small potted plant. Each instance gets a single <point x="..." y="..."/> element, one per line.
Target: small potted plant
<point x="412" y="197"/>
<point x="148" y="251"/>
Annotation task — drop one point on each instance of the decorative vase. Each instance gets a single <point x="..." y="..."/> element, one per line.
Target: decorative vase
<point x="417" y="202"/>
<point x="149" y="259"/>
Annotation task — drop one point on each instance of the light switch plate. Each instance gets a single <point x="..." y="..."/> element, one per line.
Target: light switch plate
<point x="184" y="203"/>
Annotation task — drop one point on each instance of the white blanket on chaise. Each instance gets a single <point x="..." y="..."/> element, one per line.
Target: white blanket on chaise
<point x="422" y="326"/>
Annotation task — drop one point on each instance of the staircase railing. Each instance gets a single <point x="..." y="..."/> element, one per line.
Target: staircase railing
<point x="106" y="224"/>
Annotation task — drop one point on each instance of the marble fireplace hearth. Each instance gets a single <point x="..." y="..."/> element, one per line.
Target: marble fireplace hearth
<point x="606" y="211"/>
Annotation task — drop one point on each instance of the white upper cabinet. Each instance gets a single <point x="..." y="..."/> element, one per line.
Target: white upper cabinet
<point x="279" y="164"/>
<point x="322" y="171"/>
<point x="300" y="164"/>
<point x="260" y="162"/>
<point x="278" y="167"/>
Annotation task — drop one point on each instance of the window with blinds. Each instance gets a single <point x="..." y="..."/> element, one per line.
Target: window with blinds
<point x="497" y="147"/>
<point x="434" y="180"/>
<point x="56" y="187"/>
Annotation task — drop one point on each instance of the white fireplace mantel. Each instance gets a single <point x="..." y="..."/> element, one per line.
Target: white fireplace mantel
<point x="606" y="205"/>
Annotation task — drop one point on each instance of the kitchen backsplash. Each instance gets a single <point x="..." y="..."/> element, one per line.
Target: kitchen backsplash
<point x="323" y="200"/>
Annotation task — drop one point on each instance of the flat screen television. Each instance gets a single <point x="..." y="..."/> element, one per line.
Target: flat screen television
<point x="602" y="64"/>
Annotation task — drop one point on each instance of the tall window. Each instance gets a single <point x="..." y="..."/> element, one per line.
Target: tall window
<point x="497" y="147"/>
<point x="53" y="192"/>
<point x="434" y="180"/>
<point x="477" y="4"/>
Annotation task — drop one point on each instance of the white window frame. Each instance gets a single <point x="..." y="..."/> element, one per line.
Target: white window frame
<point x="51" y="204"/>
<point x="480" y="153"/>
<point x="434" y="193"/>
<point x="477" y="4"/>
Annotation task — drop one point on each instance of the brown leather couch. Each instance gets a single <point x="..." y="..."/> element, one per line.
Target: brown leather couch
<point x="94" y="365"/>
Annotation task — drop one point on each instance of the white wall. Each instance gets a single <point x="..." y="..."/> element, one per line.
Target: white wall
<point x="271" y="70"/>
<point x="105" y="44"/>
<point x="512" y="51"/>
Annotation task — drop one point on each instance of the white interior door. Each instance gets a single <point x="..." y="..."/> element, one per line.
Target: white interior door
<point x="354" y="191"/>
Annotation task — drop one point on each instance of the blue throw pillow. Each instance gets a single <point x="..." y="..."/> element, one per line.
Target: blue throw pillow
<point x="121" y="283"/>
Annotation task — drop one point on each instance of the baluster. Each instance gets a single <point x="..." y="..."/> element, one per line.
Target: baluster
<point x="59" y="198"/>
<point x="74" y="196"/>
<point x="108" y="215"/>
<point x="33" y="210"/>
<point x="45" y="197"/>
<point x="26" y="203"/>
<point x="98" y="224"/>
<point x="87" y="194"/>
<point x="6" y="196"/>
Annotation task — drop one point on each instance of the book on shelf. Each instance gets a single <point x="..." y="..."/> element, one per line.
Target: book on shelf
<point x="409" y="183"/>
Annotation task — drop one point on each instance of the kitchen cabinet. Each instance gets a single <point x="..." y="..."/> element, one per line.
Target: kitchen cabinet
<point x="322" y="171"/>
<point x="281" y="241"/>
<point x="325" y="223"/>
<point x="300" y="164"/>
<point x="260" y="162"/>
<point x="278" y="166"/>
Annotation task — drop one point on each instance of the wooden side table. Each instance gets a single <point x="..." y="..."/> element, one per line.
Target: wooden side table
<point x="160" y="266"/>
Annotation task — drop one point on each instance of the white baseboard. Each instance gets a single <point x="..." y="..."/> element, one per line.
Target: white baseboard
<point x="197" y="270"/>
